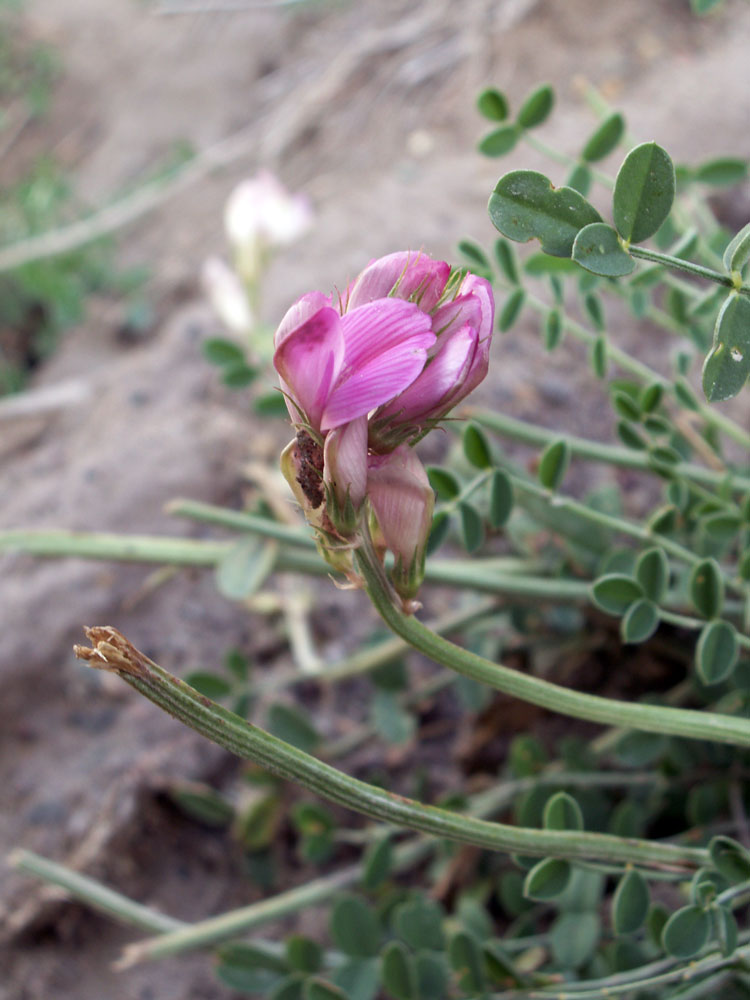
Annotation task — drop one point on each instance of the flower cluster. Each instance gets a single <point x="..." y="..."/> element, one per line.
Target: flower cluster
<point x="365" y="376"/>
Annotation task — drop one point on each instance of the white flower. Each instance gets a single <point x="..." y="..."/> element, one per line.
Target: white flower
<point x="227" y="295"/>
<point x="261" y="213"/>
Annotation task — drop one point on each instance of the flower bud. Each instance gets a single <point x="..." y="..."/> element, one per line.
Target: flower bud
<point x="402" y="500"/>
<point x="227" y="295"/>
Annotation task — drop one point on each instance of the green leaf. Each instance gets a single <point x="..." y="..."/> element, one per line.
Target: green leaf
<point x="580" y="179"/>
<point x="537" y="106"/>
<point x="599" y="358"/>
<point x="553" y="329"/>
<point x="593" y="306"/>
<point x="290" y="988"/>
<point x="358" y="978"/>
<point x="319" y="989"/>
<point x="685" y="395"/>
<point x="706" y="588"/>
<point x="727" y="366"/>
<point x="737" y="253"/>
<point x="377" y="863"/>
<point x="291" y="725"/>
<point x="420" y="924"/>
<point x="640" y="621"/>
<point x="243" y="955"/>
<point x="730" y="859"/>
<point x="211" y="685"/>
<point x="547" y="879"/>
<point x="511" y="310"/>
<point x="652" y="572"/>
<point x="597" y="247"/>
<point x="270" y="404"/>
<point x="506" y="259"/>
<point x="525" y="205"/>
<point x="303" y="954"/>
<point x="717" y="652"/>
<point x="475" y="255"/>
<point x="472" y="530"/>
<point x="644" y="192"/>
<point x="390" y="720"/>
<point x="686" y="932"/>
<point x="704" y="6"/>
<point x="500" y="141"/>
<point x="721" y="172"/>
<point x="605" y="138"/>
<point x="562" y="812"/>
<point x="493" y="104"/>
<point x="202" y="803"/>
<point x="354" y="928"/>
<point x="574" y="938"/>
<point x="615" y="592"/>
<point x="630" y="903"/>
<point x="239" y="375"/>
<point x="245" y="567"/>
<point x="432" y="976"/>
<point x="540" y="265"/>
<point x="443" y="482"/>
<point x="725" y="929"/>
<point x="477" y="447"/>
<point x="723" y="526"/>
<point x="626" y="406"/>
<point x="466" y="959"/>
<point x="220" y="351"/>
<point x="553" y="464"/>
<point x="501" y="499"/>
<point x="441" y="523"/>
<point x="398" y="972"/>
<point x="526" y="756"/>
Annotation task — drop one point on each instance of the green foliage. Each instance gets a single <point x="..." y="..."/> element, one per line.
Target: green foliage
<point x="727" y="366"/>
<point x="644" y="192"/>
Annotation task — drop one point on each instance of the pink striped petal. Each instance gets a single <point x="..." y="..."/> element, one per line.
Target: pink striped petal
<point x="345" y="460"/>
<point x="481" y="290"/>
<point x="298" y="314"/>
<point x="401" y="496"/>
<point x="465" y="310"/>
<point x="375" y="329"/>
<point x="431" y="395"/>
<point x="309" y="359"/>
<point x="402" y="275"/>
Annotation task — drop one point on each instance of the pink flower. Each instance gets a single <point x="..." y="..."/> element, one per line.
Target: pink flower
<point x="336" y="368"/>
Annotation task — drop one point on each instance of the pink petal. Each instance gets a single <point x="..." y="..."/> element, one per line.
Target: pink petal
<point x="401" y="496"/>
<point x="299" y="313"/>
<point x="345" y="460"/>
<point x="465" y="310"/>
<point x="431" y="395"/>
<point x="407" y="272"/>
<point x="481" y="290"/>
<point x="309" y="359"/>
<point x="376" y="328"/>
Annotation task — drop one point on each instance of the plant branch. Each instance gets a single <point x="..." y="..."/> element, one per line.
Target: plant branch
<point x="646" y="718"/>
<point x="113" y="652"/>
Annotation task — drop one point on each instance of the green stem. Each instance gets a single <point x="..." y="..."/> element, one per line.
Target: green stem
<point x="111" y="651"/>
<point x="688" y="622"/>
<point x="594" y="451"/>
<point x="667" y="260"/>
<point x="89" y="891"/>
<point x="240" y="521"/>
<point x="565" y="159"/>
<point x="646" y="718"/>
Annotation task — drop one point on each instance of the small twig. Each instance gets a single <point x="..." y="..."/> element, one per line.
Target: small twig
<point x="44" y="400"/>
<point x="220" y="6"/>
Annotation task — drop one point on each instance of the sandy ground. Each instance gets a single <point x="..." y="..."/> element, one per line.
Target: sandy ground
<point x="368" y="107"/>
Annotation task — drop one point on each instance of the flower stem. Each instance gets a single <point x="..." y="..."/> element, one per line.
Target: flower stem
<point x="646" y="718"/>
<point x="111" y="651"/>
<point x="680" y="264"/>
<point x="519" y="430"/>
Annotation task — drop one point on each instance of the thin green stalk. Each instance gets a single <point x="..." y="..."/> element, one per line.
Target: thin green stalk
<point x="689" y="622"/>
<point x="93" y="893"/>
<point x="680" y="264"/>
<point x="503" y="575"/>
<point x="594" y="451"/>
<point x="565" y="159"/>
<point x="241" y="520"/>
<point x="112" y="651"/>
<point x="646" y="718"/>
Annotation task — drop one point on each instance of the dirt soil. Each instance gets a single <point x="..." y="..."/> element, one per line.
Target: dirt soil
<point x="369" y="108"/>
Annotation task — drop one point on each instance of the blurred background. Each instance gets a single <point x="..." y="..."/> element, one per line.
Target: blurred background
<point x="139" y="117"/>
